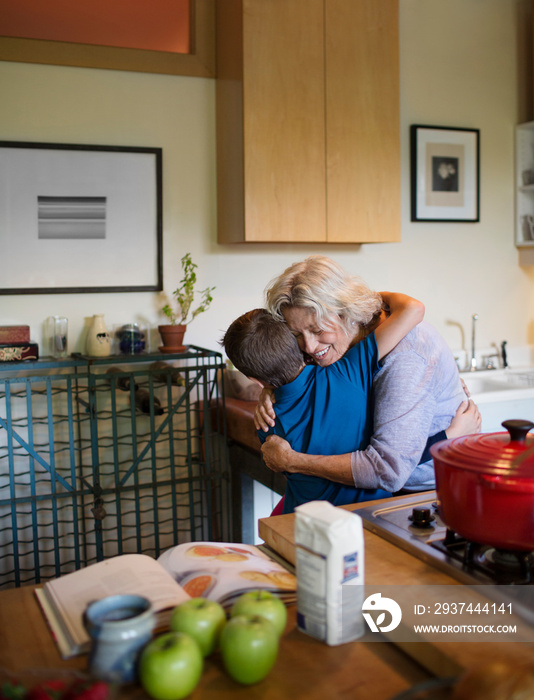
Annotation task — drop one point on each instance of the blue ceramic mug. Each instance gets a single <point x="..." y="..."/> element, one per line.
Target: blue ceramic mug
<point x="119" y="626"/>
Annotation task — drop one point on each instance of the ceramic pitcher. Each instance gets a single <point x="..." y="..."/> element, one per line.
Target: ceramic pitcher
<point x="98" y="342"/>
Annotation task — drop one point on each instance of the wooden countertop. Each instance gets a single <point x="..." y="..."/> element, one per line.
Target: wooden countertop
<point x="386" y="564"/>
<point x="305" y="667"/>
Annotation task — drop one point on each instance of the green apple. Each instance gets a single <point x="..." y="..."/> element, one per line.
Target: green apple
<point x="170" y="666"/>
<point x="249" y="647"/>
<point x="201" y="619"/>
<point x="263" y="603"/>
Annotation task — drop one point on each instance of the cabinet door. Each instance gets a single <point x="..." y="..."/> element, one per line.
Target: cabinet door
<point x="284" y="120"/>
<point x="308" y="121"/>
<point x="362" y="121"/>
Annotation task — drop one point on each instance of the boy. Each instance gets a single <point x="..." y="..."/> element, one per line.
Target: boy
<point x="319" y="410"/>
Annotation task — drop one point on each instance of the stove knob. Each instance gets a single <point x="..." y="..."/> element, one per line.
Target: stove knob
<point x="421" y="516"/>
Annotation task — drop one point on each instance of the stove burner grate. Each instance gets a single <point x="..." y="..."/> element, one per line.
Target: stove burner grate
<point x="501" y="566"/>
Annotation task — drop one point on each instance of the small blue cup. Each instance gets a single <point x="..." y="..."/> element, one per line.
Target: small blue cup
<point x="119" y="626"/>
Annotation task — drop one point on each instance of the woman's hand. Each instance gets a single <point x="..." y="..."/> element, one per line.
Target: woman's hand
<point x="277" y="453"/>
<point x="264" y="415"/>
<point x="466" y="421"/>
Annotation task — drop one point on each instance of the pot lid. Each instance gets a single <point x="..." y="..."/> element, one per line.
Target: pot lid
<point x="508" y="453"/>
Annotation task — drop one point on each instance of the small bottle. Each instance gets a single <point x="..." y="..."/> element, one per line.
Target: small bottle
<point x="122" y="380"/>
<point x="143" y="403"/>
<point x="164" y="370"/>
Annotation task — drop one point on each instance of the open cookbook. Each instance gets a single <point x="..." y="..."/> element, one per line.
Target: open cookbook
<point x="219" y="571"/>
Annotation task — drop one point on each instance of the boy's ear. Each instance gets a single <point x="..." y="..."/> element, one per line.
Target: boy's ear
<point x="258" y="382"/>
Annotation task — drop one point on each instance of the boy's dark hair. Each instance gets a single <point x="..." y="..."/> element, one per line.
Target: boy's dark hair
<point x="263" y="348"/>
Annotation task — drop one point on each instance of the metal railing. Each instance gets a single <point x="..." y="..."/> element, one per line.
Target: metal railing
<point x="89" y="470"/>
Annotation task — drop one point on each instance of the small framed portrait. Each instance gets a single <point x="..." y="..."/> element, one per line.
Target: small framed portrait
<point x="444" y="173"/>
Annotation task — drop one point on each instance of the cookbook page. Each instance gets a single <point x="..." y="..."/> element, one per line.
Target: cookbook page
<point x="139" y="574"/>
<point x="222" y="571"/>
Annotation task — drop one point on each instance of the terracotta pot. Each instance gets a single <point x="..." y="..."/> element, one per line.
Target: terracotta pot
<point x="485" y="486"/>
<point x="172" y="337"/>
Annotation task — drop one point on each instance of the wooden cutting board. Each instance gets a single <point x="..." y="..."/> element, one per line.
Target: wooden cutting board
<point x="381" y="557"/>
<point x="386" y="564"/>
<point x="279" y="531"/>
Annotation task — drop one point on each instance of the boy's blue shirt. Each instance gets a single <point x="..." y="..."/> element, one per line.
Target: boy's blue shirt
<point x="327" y="411"/>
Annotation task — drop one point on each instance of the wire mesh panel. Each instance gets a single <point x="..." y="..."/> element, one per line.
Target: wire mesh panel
<point x="99" y="459"/>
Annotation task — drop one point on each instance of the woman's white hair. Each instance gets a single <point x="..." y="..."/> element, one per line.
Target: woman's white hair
<point x="321" y="285"/>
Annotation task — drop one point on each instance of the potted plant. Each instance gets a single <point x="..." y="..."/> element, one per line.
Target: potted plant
<point x="180" y="315"/>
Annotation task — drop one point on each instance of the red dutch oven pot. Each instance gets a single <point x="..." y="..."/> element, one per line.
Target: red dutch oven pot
<point x="485" y="486"/>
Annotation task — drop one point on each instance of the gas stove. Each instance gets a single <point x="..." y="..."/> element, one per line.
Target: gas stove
<point x="413" y="524"/>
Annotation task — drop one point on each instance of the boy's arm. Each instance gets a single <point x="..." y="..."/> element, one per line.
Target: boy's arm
<point x="405" y="313"/>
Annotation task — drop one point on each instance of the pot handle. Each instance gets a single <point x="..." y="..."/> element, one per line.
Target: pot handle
<point x="518" y="429"/>
<point x="506" y="483"/>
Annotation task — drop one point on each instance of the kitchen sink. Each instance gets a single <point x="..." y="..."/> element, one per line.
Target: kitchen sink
<point x="502" y="394"/>
<point x="479" y="385"/>
<point x="498" y="380"/>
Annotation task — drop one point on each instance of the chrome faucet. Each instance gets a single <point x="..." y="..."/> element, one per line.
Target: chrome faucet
<point x="473" y="357"/>
<point x="503" y="354"/>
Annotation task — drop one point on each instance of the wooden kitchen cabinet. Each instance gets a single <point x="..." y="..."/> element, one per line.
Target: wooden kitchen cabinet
<point x="308" y="136"/>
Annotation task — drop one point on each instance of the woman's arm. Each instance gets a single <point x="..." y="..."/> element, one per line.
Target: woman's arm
<point x="405" y="313"/>
<point x="280" y="457"/>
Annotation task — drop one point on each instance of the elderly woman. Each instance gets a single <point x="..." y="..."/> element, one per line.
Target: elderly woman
<point x="418" y="394"/>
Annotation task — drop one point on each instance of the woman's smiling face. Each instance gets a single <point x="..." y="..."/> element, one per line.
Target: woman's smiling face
<point x="324" y="346"/>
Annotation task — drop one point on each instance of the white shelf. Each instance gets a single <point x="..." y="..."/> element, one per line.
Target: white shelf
<point x="524" y="185"/>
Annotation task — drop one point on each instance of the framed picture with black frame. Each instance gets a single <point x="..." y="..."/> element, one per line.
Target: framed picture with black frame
<point x="80" y="218"/>
<point x="445" y="173"/>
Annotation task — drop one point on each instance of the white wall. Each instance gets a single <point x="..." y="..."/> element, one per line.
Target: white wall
<point x="464" y="63"/>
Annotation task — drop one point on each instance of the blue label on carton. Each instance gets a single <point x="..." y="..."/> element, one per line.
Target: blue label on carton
<point x="350" y="566"/>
